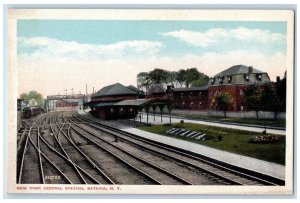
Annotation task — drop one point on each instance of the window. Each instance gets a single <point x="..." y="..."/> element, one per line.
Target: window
<point x="111" y="110"/>
<point x="229" y="79"/>
<point x="259" y="77"/>
<point x="220" y="80"/>
<point x="191" y="104"/>
<point x="212" y="80"/>
<point x="241" y="92"/>
<point x="246" y="77"/>
<point x="121" y="109"/>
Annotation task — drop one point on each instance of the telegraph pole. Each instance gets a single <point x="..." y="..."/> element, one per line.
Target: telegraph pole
<point x="86" y="93"/>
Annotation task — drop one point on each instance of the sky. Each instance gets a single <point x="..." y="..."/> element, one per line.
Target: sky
<point x="55" y="55"/>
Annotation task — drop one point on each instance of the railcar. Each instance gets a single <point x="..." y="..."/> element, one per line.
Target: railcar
<point x="31" y="111"/>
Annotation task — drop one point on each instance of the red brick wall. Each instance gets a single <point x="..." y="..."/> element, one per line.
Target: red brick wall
<point x="65" y="104"/>
<point x="191" y="100"/>
<point x="237" y="92"/>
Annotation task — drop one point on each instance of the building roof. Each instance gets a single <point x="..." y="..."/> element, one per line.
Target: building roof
<point x="142" y="102"/>
<point x="238" y="69"/>
<point x="156" y="88"/>
<point x="103" y="104"/>
<point x="115" y="89"/>
<point x="133" y="88"/>
<point x="132" y="102"/>
<point x="68" y="101"/>
<point x="187" y="89"/>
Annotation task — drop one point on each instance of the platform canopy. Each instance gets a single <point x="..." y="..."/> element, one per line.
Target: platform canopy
<point x="143" y="102"/>
<point x="104" y="104"/>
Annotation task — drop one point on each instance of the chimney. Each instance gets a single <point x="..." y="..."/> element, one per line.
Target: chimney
<point x="278" y="79"/>
<point x="250" y="69"/>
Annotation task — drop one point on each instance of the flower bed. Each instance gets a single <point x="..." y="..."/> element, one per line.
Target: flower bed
<point x="264" y="139"/>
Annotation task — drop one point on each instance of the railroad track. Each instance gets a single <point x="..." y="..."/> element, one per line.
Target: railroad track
<point x="78" y="150"/>
<point x="35" y="166"/>
<point x="151" y="171"/>
<point x="211" y="167"/>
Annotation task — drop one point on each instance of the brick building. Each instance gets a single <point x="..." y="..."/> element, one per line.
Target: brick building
<point x="235" y="80"/>
<point x="118" y="101"/>
<point x="194" y="98"/>
<point x="102" y="102"/>
<point x="64" y="104"/>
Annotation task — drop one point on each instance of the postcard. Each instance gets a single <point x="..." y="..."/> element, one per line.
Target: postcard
<point x="150" y="101"/>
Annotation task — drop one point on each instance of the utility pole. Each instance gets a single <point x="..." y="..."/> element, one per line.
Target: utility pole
<point x="86" y="93"/>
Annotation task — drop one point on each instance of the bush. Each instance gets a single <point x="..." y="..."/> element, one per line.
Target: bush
<point x="182" y="121"/>
<point x="220" y="138"/>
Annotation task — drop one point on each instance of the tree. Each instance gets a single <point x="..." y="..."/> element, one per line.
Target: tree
<point x="201" y="81"/>
<point x="143" y="80"/>
<point x="253" y="97"/>
<point x="159" y="76"/>
<point x="224" y="100"/>
<point x="270" y="99"/>
<point x="172" y="78"/>
<point x="281" y="93"/>
<point x="181" y="77"/>
<point x="191" y="75"/>
<point x="33" y="95"/>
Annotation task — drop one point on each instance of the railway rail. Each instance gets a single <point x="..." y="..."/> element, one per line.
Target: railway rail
<point x="82" y="151"/>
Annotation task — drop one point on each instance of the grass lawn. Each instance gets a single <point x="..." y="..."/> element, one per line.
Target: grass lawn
<point x="235" y="141"/>
<point x="251" y="121"/>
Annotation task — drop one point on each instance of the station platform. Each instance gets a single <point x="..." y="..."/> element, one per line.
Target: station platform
<point x="264" y="167"/>
<point x="268" y="168"/>
<point x="158" y="120"/>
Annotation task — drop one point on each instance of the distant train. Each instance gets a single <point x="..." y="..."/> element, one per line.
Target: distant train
<point x="32" y="111"/>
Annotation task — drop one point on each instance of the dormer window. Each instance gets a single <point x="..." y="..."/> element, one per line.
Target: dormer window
<point x="246" y="77"/>
<point x="229" y="79"/>
<point x="220" y="80"/>
<point x="259" y="77"/>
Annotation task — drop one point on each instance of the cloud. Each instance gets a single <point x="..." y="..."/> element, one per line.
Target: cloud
<point x="218" y="35"/>
<point x="50" y="47"/>
<point x="42" y="73"/>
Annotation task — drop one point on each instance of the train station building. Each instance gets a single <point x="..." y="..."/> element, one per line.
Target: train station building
<point x="118" y="101"/>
